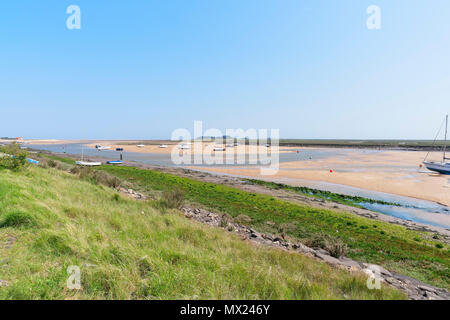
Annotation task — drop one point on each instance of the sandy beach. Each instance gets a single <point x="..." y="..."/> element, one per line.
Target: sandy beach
<point x="204" y="148"/>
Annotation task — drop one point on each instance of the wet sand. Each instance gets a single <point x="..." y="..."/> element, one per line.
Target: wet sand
<point x="205" y="148"/>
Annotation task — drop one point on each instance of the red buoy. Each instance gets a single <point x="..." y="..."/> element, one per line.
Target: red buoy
<point x="331" y="171"/>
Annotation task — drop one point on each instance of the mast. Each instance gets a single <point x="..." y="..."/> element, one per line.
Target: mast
<point x="445" y="140"/>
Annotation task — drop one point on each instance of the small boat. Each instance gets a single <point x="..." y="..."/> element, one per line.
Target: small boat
<point x="100" y="148"/>
<point x="88" y="163"/>
<point x="114" y="162"/>
<point x="163" y="146"/>
<point x="32" y="161"/>
<point x="140" y="146"/>
<point x="184" y="147"/>
<point x="440" y="167"/>
<point x="119" y="149"/>
<point x="219" y="149"/>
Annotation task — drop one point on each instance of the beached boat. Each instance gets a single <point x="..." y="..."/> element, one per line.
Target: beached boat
<point x="29" y="160"/>
<point x="163" y="146"/>
<point x="440" y="167"/>
<point x="140" y="146"/>
<point x="86" y="163"/>
<point x="119" y="149"/>
<point x="32" y="161"/>
<point x="100" y="148"/>
<point x="114" y="162"/>
<point x="219" y="149"/>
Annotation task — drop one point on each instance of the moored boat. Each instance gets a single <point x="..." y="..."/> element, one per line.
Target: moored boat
<point x="114" y="162"/>
<point x="440" y="167"/>
<point x="88" y="163"/>
<point x="100" y="148"/>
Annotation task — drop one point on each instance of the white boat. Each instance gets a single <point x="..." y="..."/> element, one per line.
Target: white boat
<point x="440" y="167"/>
<point x="163" y="146"/>
<point x="99" y="148"/>
<point x="140" y="146"/>
<point x="88" y="163"/>
<point x="184" y="147"/>
<point x="219" y="149"/>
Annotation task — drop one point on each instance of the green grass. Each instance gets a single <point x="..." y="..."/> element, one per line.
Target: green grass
<point x="56" y="158"/>
<point x="129" y="249"/>
<point x="320" y="194"/>
<point x="368" y="240"/>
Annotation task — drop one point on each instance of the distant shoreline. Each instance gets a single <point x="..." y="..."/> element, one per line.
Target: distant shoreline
<point x="409" y="145"/>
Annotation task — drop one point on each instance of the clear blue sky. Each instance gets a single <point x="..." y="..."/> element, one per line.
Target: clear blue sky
<point x="142" y="68"/>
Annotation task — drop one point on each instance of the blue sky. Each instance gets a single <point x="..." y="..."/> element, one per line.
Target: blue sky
<point x="142" y="68"/>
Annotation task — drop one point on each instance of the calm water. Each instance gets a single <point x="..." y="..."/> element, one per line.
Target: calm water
<point x="412" y="209"/>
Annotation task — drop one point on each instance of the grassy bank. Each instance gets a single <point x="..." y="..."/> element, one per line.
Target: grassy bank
<point x="126" y="249"/>
<point x="408" y="252"/>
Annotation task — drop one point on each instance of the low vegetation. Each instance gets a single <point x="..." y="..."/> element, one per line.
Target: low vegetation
<point x="51" y="219"/>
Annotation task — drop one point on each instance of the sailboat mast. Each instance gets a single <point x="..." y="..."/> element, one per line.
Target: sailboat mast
<point x="445" y="140"/>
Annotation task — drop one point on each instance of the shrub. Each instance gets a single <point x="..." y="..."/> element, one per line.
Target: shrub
<point x="100" y="177"/>
<point x="335" y="246"/>
<point x="106" y="179"/>
<point x="224" y="220"/>
<point x="172" y="199"/>
<point x="52" y="163"/>
<point x="439" y="245"/>
<point x="82" y="172"/>
<point x="43" y="164"/>
<point x="13" y="158"/>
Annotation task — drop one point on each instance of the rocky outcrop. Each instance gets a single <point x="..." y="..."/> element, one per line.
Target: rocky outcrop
<point x="416" y="290"/>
